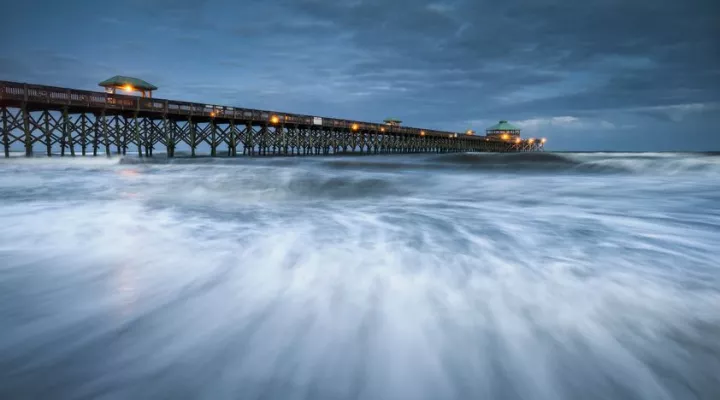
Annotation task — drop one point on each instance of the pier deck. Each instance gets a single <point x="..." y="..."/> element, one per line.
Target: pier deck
<point x="78" y="121"/>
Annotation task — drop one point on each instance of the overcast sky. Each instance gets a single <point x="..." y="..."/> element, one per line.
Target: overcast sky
<point x="586" y="74"/>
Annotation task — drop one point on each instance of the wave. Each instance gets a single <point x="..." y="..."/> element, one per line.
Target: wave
<point x="507" y="161"/>
<point x="599" y="162"/>
<point x="653" y="163"/>
<point x="635" y="163"/>
<point x="58" y="161"/>
<point x="542" y="162"/>
<point x="416" y="278"/>
<point x="339" y="302"/>
<point x="241" y="186"/>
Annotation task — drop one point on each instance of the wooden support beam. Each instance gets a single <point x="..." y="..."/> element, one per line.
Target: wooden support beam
<point x="232" y="146"/>
<point x="117" y="137"/>
<point x="169" y="138"/>
<point x="251" y="138"/>
<point x="5" y="132"/>
<point x="83" y="132"/>
<point x="47" y="132"/>
<point x="193" y="139"/>
<point x="106" y="140"/>
<point x="136" y="133"/>
<point x="213" y="139"/>
<point x="147" y="136"/>
<point x="26" y="131"/>
<point x="66" y="134"/>
<point x="96" y="134"/>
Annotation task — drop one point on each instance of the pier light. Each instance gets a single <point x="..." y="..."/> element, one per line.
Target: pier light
<point x="274" y="119"/>
<point x="382" y="129"/>
<point x="505" y="137"/>
<point x="517" y="141"/>
<point x="355" y="127"/>
<point x="469" y="132"/>
<point x="212" y="114"/>
<point x="531" y="140"/>
<point x="543" y="140"/>
<point x="128" y="88"/>
<point x="422" y="133"/>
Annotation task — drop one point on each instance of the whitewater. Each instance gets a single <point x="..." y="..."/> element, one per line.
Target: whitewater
<point x="452" y="276"/>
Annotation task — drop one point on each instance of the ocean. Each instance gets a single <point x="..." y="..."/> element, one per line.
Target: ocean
<point x="451" y="276"/>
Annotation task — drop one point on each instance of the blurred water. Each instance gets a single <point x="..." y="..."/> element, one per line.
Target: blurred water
<point x="530" y="276"/>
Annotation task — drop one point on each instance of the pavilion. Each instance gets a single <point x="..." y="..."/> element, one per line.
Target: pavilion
<point x="392" y="121"/>
<point x="128" y="84"/>
<point x="503" y="130"/>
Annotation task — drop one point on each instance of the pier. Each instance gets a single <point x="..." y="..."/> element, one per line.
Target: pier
<point x="79" y="122"/>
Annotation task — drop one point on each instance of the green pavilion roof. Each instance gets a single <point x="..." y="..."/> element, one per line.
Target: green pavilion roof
<point x="392" y="120"/>
<point x="503" y="126"/>
<point x="119" y="80"/>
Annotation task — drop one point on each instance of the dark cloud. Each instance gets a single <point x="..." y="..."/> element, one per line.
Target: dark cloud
<point x="597" y="67"/>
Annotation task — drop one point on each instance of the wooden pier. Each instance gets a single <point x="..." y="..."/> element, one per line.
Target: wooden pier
<point x="78" y="122"/>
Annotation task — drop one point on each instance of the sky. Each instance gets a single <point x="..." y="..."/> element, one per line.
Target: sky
<point x="617" y="75"/>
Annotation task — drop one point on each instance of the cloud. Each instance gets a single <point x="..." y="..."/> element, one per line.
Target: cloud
<point x="678" y="112"/>
<point x="533" y="124"/>
<point x="607" y="125"/>
<point x="437" y="64"/>
<point x="568" y="124"/>
<point x="440" y="8"/>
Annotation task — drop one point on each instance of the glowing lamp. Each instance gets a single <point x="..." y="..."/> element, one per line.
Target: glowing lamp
<point x="274" y="119"/>
<point x="505" y="137"/>
<point x="543" y="140"/>
<point x="517" y="140"/>
<point x="128" y="88"/>
<point x="355" y="127"/>
<point x="422" y="133"/>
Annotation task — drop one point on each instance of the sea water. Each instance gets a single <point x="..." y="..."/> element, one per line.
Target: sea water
<point x="456" y="276"/>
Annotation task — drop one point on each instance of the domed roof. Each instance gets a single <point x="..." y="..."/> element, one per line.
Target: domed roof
<point x="118" y="80"/>
<point x="503" y="126"/>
